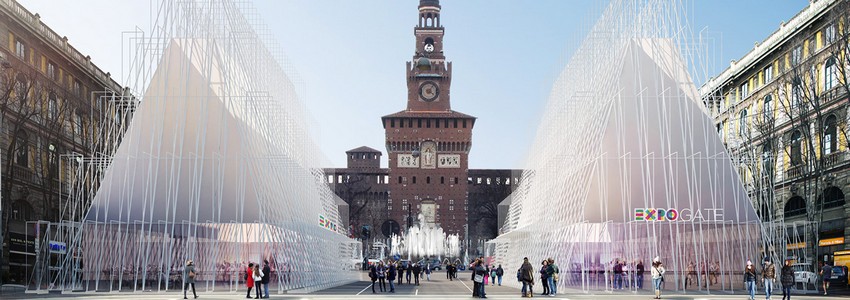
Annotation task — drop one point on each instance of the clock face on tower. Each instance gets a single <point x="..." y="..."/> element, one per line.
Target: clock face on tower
<point x="429" y="91"/>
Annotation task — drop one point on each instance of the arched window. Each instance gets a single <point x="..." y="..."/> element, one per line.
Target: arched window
<point x="796" y="93"/>
<point x="830" y="74"/>
<point x="22" y="149"/>
<point x="767" y="159"/>
<point x="21" y="210"/>
<point x="834" y="198"/>
<point x="768" y="108"/>
<point x="53" y="160"/>
<point x="743" y="130"/>
<point x="796" y="206"/>
<point x="829" y="135"/>
<point x="796" y="148"/>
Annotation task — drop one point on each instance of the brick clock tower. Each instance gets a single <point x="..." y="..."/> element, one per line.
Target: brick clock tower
<point x="428" y="143"/>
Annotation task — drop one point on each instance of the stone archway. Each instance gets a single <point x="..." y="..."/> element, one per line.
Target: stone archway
<point x="832" y="197"/>
<point x="795" y="207"/>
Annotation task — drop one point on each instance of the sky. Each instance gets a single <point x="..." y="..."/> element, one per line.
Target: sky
<point x="351" y="56"/>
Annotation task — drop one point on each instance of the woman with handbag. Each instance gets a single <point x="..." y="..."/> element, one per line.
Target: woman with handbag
<point x="382" y="276"/>
<point x="480" y="274"/>
<point x="657" y="276"/>
<point x="189" y="278"/>
<point x="257" y="274"/>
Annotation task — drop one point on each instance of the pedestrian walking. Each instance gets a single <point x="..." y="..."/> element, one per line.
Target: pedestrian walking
<point x="417" y="270"/>
<point x="787" y="279"/>
<point x="391" y="275"/>
<point x="499" y="273"/>
<point x="373" y="275"/>
<point x="449" y="271"/>
<point x="258" y="280"/>
<point x="768" y="277"/>
<point x="639" y="270"/>
<point x="486" y="275"/>
<point x="382" y="276"/>
<point x="249" y="279"/>
<point x="189" y="274"/>
<point x="493" y="276"/>
<point x="657" y="276"/>
<point x="428" y="271"/>
<point x="267" y="271"/>
<point x="750" y="279"/>
<point x="825" y="274"/>
<point x="543" y="278"/>
<point x="408" y="270"/>
<point x="526" y="275"/>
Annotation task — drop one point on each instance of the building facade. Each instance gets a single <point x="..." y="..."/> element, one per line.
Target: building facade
<point x="366" y="188"/>
<point x="782" y="112"/>
<point x="56" y="109"/>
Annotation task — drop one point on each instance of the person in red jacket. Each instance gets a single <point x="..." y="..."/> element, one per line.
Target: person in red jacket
<point x="249" y="279"/>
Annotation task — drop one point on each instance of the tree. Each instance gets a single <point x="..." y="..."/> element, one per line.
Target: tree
<point x="802" y="104"/>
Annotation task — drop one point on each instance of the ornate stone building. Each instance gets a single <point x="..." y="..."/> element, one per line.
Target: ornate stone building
<point x="782" y="112"/>
<point x="56" y="108"/>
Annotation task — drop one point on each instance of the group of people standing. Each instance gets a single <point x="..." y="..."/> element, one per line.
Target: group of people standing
<point x="256" y="278"/>
<point x="549" y="277"/>
<point x="482" y="274"/>
<point x="382" y="273"/>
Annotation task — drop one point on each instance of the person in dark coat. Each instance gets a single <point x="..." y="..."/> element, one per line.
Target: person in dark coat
<point x="527" y="277"/>
<point x="475" y="283"/>
<point x="480" y="271"/>
<point x="400" y="269"/>
<point x="417" y="269"/>
<point x="189" y="278"/>
<point x="408" y="271"/>
<point x="499" y="273"/>
<point x="266" y="277"/>
<point x="787" y="279"/>
<point x="373" y="275"/>
<point x="391" y="275"/>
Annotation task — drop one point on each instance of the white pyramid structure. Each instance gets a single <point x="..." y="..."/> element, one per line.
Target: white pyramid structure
<point x="217" y="167"/>
<point x="623" y="138"/>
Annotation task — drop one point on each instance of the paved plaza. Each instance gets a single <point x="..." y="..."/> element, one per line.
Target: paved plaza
<point x="438" y="288"/>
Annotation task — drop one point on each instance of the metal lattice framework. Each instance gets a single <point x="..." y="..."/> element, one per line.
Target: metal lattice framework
<point x="625" y="135"/>
<point x="216" y="166"/>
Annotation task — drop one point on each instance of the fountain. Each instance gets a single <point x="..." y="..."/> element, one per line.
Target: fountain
<point x="425" y="240"/>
